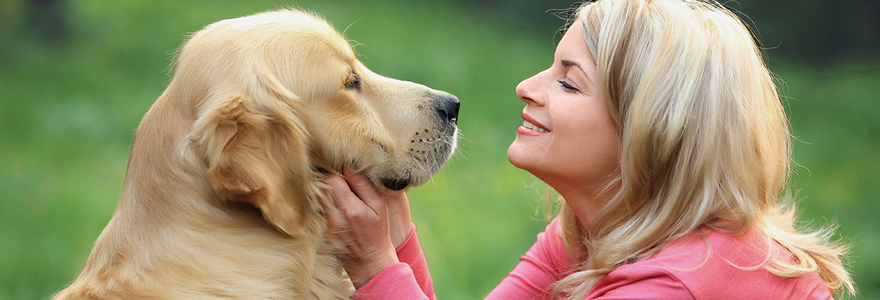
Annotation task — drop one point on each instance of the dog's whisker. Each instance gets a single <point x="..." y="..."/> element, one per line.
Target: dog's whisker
<point x="349" y="26"/>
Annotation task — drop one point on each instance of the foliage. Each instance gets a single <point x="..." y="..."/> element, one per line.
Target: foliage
<point x="68" y="112"/>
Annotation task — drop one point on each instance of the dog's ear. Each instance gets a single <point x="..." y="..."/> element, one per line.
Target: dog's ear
<point x="256" y="155"/>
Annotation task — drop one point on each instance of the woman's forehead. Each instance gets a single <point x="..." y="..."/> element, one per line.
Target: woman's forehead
<point x="573" y="46"/>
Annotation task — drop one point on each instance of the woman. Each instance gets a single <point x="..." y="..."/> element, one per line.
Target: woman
<point x="661" y="129"/>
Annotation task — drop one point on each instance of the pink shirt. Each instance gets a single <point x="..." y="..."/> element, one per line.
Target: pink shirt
<point x="708" y="266"/>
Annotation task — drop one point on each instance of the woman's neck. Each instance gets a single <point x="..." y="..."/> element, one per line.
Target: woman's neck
<point x="586" y="201"/>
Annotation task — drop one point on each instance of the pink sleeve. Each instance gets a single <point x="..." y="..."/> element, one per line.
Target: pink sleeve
<point x="410" y="252"/>
<point x="628" y="282"/>
<point x="544" y="264"/>
<point x="408" y="279"/>
<point x="395" y="282"/>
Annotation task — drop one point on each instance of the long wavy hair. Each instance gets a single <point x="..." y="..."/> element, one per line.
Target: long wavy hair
<point x="705" y="142"/>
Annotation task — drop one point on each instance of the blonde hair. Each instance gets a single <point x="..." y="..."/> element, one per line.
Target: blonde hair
<point x="705" y="142"/>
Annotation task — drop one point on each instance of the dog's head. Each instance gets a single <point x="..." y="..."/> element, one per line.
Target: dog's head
<point x="278" y="96"/>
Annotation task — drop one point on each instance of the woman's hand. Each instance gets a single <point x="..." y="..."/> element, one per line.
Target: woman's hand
<point x="371" y="224"/>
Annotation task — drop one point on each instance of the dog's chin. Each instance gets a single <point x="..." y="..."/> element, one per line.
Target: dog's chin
<point x="415" y="170"/>
<point x="395" y="184"/>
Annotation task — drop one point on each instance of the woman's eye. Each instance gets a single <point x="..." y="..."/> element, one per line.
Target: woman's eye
<point x="568" y="86"/>
<point x="353" y="82"/>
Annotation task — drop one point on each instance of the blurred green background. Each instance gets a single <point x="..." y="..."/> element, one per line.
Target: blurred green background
<point x="76" y="77"/>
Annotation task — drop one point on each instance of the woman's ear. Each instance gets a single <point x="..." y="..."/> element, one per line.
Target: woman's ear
<point x="258" y="156"/>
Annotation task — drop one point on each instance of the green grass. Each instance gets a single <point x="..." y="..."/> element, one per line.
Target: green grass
<point x="68" y="112"/>
<point x="835" y="116"/>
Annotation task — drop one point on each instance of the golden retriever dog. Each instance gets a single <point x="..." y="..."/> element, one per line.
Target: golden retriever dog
<point x="223" y="197"/>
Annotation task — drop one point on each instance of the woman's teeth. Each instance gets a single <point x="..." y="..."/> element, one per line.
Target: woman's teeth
<point x="534" y="127"/>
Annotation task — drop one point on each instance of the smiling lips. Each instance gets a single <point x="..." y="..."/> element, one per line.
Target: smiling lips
<point x="534" y="127"/>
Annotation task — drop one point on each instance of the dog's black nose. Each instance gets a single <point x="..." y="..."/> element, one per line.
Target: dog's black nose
<point x="447" y="108"/>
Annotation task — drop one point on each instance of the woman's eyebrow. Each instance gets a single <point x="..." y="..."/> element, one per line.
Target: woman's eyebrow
<point x="569" y="63"/>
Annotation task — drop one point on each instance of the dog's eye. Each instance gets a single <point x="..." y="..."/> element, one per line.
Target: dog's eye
<point x="353" y="81"/>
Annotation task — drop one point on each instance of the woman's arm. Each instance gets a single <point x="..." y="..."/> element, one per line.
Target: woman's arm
<point x="544" y="264"/>
<point x="360" y="218"/>
<point x="408" y="279"/>
<point x="381" y="251"/>
<point x="365" y="216"/>
<point x="410" y="252"/>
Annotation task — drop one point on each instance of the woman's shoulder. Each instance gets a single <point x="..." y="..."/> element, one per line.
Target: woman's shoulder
<point x="710" y="264"/>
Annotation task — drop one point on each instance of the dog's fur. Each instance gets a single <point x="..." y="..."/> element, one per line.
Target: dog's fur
<point x="223" y="198"/>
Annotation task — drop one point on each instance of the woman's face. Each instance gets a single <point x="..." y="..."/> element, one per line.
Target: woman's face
<point x="567" y="139"/>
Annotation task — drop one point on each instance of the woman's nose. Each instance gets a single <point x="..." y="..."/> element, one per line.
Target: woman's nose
<point x="528" y="90"/>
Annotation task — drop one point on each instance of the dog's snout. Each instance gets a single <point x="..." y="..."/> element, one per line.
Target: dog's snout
<point x="447" y="108"/>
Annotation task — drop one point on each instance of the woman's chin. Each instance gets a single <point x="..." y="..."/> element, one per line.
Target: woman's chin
<point x="518" y="155"/>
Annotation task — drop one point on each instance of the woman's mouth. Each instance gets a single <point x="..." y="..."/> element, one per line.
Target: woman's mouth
<point x="534" y="127"/>
<point x="531" y="127"/>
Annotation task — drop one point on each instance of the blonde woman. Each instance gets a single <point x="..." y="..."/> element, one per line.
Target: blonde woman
<point x="661" y="129"/>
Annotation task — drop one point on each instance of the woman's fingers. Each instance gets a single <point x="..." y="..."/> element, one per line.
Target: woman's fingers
<point x="355" y="199"/>
<point x="392" y="206"/>
<point x="361" y="219"/>
<point x="338" y="188"/>
<point x="365" y="191"/>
